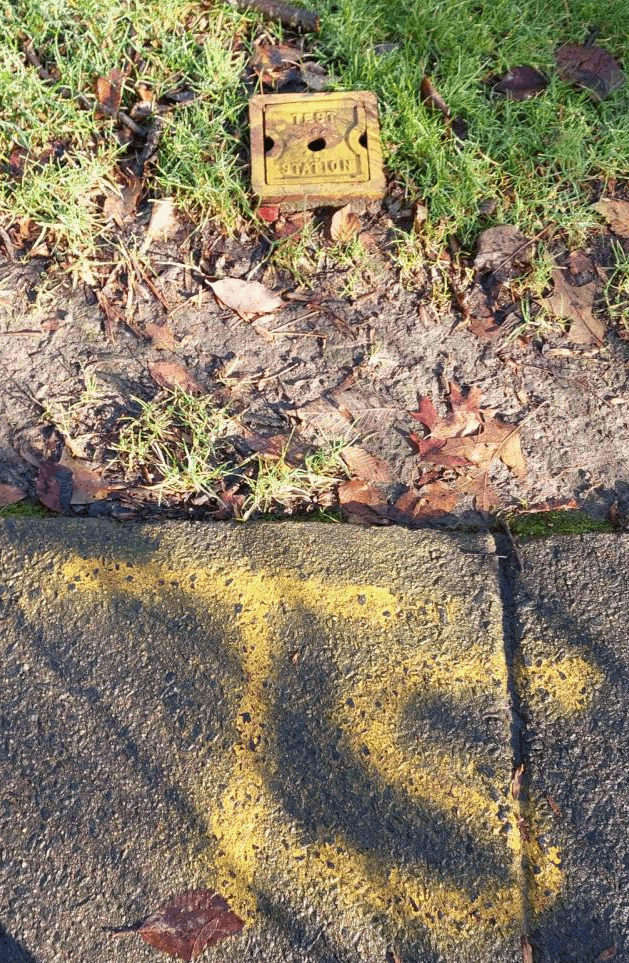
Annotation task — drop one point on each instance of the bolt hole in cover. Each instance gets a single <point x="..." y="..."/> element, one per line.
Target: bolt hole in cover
<point x="311" y="150"/>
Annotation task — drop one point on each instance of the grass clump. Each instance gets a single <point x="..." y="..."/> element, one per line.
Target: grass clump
<point x="184" y="446"/>
<point x="23" y="510"/>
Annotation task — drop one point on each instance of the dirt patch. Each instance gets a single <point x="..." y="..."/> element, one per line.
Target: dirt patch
<point x="370" y="357"/>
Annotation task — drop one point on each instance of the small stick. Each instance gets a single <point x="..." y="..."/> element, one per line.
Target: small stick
<point x="286" y="13"/>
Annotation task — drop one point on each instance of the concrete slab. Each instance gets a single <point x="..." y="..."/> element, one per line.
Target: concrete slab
<point x="313" y="720"/>
<point x="573" y="600"/>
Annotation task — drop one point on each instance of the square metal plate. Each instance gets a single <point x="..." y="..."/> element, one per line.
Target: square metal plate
<point x="311" y="150"/>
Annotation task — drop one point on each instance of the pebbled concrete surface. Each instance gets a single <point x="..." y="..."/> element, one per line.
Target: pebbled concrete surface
<point x="573" y="603"/>
<point x="321" y="722"/>
<point x="312" y="719"/>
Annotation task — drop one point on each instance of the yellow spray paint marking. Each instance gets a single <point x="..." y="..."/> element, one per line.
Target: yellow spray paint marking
<point x="568" y="682"/>
<point x="253" y="833"/>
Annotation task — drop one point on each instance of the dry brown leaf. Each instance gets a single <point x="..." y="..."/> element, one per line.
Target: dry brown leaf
<point x="161" y="336"/>
<point x="554" y="505"/>
<point x="527" y="950"/>
<point x="345" y="225"/>
<point x="109" y="91"/>
<point x="520" y="83"/>
<point x="574" y="304"/>
<point x="364" y="503"/>
<point x="54" y="486"/>
<point x="431" y="97"/>
<point x="502" y="250"/>
<point x="463" y="419"/>
<point x="339" y="413"/>
<point x="516" y="782"/>
<point x="362" y="464"/>
<point x="163" y="221"/>
<point x="607" y="954"/>
<point x="247" y="298"/>
<point x="172" y="374"/>
<point x="433" y="499"/>
<point x="616" y="213"/>
<point x="9" y="494"/>
<point x="480" y="488"/>
<point x="190" y="922"/>
<point x="88" y="484"/>
<point x="277" y="64"/>
<point x="591" y="67"/>
<point x="121" y="205"/>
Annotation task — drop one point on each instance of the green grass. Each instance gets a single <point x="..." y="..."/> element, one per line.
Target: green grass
<point x="183" y="446"/>
<point x="23" y="510"/>
<point x="539" y="160"/>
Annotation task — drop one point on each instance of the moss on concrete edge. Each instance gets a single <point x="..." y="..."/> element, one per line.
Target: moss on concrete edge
<point x="544" y="524"/>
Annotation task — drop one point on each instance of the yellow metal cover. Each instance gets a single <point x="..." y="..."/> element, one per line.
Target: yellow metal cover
<point x="310" y="150"/>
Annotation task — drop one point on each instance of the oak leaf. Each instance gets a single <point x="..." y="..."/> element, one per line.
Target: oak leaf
<point x="172" y="374"/>
<point x="591" y="67"/>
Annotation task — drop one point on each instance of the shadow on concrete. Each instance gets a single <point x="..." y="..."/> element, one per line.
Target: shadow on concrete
<point x="11" y="951"/>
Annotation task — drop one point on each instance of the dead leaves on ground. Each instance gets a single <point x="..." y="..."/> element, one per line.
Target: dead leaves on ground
<point x="521" y="83"/>
<point x="345" y="225"/>
<point x="455" y="459"/>
<point x="574" y="304"/>
<point x="590" y="67"/>
<point x="10" y="494"/>
<point x="70" y="481"/>
<point x="187" y="924"/>
<point x="616" y="213"/>
<point x="173" y="374"/>
<point x="280" y="66"/>
<point x="247" y="298"/>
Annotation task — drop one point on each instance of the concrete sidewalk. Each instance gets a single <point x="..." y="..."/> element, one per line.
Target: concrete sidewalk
<point x="320" y="722"/>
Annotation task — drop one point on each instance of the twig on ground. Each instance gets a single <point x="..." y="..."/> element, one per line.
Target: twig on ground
<point x="284" y="12"/>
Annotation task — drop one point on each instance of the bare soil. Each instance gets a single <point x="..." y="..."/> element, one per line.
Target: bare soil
<point x="386" y="346"/>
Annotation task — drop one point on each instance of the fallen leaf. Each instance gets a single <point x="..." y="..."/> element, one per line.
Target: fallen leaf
<point x="122" y="204"/>
<point x="433" y="499"/>
<point x="189" y="922"/>
<point x="289" y="447"/>
<point x="345" y="225"/>
<point x="314" y="75"/>
<point x="339" y="413"/>
<point x="172" y="374"/>
<point x="362" y="464"/>
<point x="574" y="304"/>
<point x="590" y="67"/>
<point x="161" y="336"/>
<point x="607" y="954"/>
<point x="467" y="436"/>
<point x="479" y="487"/>
<point x="616" y="213"/>
<point x="554" y="505"/>
<point x="269" y="212"/>
<point x="363" y="503"/>
<point x="247" y="298"/>
<point x="9" y="494"/>
<point x="516" y="782"/>
<point x="88" y="484"/>
<point x="527" y="950"/>
<point x="54" y="486"/>
<point x="291" y="224"/>
<point x="502" y="250"/>
<point x="554" y="808"/>
<point x="277" y="64"/>
<point x="431" y="97"/>
<point x="420" y="216"/>
<point x="520" y="83"/>
<point x="109" y="91"/>
<point x="463" y="419"/>
<point x="163" y="221"/>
